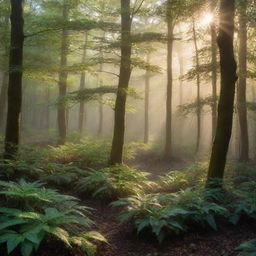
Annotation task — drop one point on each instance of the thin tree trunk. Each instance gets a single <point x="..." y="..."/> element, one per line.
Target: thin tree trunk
<point x="47" y="110"/>
<point x="241" y="89"/>
<point x="3" y="100"/>
<point x="81" y="121"/>
<point x="227" y="93"/>
<point x="214" y="71"/>
<point x="116" y="156"/>
<point x="168" y="139"/>
<point x="146" y="107"/>
<point x="15" y="80"/>
<point x="100" y="128"/>
<point x="198" y="110"/>
<point x="63" y="75"/>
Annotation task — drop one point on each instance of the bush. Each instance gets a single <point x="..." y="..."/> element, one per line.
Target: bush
<point x="114" y="182"/>
<point x="248" y="248"/>
<point x="173" y="213"/>
<point x="192" y="176"/>
<point x="31" y="213"/>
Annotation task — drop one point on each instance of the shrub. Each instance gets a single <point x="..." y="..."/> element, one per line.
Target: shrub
<point x="173" y="213"/>
<point x="248" y="248"/>
<point x="114" y="182"/>
<point x="32" y="212"/>
<point x="181" y="179"/>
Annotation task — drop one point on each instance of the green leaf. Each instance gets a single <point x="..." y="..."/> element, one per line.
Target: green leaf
<point x="211" y="221"/>
<point x="26" y="248"/>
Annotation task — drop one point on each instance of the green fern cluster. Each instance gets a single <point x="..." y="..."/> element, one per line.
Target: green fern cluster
<point x="114" y="182"/>
<point x="195" y="175"/>
<point x="32" y="213"/>
<point x="172" y="213"/>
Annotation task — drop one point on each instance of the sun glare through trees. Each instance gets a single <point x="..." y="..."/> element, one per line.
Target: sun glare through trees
<point x="127" y="128"/>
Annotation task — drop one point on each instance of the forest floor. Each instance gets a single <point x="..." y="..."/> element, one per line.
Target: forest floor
<point x="123" y="241"/>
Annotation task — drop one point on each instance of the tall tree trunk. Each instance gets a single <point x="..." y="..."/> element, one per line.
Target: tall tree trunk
<point x="198" y="107"/>
<point x="116" y="155"/>
<point x="214" y="71"/>
<point x="81" y="120"/>
<point x="241" y="89"/>
<point x="15" y="80"/>
<point x="227" y="94"/>
<point x="168" y="138"/>
<point x="3" y="100"/>
<point x="146" y="102"/>
<point x="100" y="128"/>
<point x="63" y="75"/>
<point x="4" y="88"/>
<point x="47" y="110"/>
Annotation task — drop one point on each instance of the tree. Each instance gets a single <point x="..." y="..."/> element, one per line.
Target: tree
<point x="146" y="103"/>
<point x="170" y="38"/>
<point x="227" y="94"/>
<point x="116" y="155"/>
<point x="241" y="89"/>
<point x="81" y="117"/>
<point x="63" y="75"/>
<point x="15" y="79"/>
<point x="198" y="100"/>
<point x="214" y="70"/>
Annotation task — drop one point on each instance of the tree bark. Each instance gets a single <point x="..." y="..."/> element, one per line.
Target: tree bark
<point x="227" y="94"/>
<point x="241" y="89"/>
<point x="168" y="138"/>
<point x="214" y="71"/>
<point x="198" y="107"/>
<point x="63" y="75"/>
<point x="15" y="80"/>
<point x="116" y="156"/>
<point x="3" y="100"/>
<point x="81" y="121"/>
<point x="146" y="102"/>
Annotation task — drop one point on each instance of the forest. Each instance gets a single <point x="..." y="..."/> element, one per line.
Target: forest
<point x="128" y="127"/>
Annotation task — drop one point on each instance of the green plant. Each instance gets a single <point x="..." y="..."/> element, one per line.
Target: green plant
<point x="117" y="181"/>
<point x="33" y="212"/>
<point x="181" y="179"/>
<point x="248" y="248"/>
<point x="172" y="213"/>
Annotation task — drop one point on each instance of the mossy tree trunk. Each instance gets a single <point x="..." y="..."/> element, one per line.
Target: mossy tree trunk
<point x="116" y="155"/>
<point x="227" y="93"/>
<point x="15" y="80"/>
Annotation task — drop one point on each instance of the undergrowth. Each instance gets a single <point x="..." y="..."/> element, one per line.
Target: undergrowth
<point x="30" y="213"/>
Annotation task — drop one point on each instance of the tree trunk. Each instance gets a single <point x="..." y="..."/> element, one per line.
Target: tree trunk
<point x="146" y="107"/>
<point x="227" y="94"/>
<point x="116" y="155"/>
<point x="3" y="100"/>
<point x="168" y="138"/>
<point x="15" y="80"/>
<point x="63" y="75"/>
<point x="81" y="121"/>
<point x="214" y="71"/>
<point x="198" y="105"/>
<point x="100" y="128"/>
<point x="241" y="89"/>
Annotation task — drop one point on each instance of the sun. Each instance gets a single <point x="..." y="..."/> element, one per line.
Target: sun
<point x="206" y="19"/>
